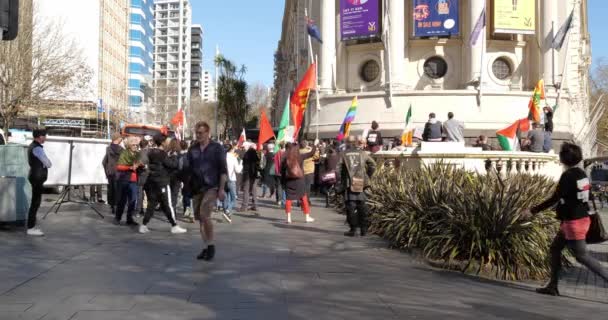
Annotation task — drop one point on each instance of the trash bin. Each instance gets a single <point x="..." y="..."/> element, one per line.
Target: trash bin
<point x="15" y="190"/>
<point x="8" y="199"/>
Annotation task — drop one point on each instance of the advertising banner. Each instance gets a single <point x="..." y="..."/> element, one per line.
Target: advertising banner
<point x="435" y="18"/>
<point x="515" y="16"/>
<point x="360" y="19"/>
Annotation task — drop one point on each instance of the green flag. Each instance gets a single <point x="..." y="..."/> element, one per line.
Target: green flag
<point x="283" y="126"/>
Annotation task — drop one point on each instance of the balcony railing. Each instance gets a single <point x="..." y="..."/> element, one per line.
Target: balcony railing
<point x="504" y="163"/>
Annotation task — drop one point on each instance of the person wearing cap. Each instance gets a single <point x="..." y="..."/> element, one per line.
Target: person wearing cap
<point x="109" y="165"/>
<point x="354" y="173"/>
<point x="39" y="170"/>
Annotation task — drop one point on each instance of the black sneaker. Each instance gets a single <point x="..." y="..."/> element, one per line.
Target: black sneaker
<point x="548" y="290"/>
<point x="210" y="253"/>
<point x="203" y="255"/>
<point x="132" y="223"/>
<point x="350" y="233"/>
<point x="363" y="232"/>
<point x="115" y="222"/>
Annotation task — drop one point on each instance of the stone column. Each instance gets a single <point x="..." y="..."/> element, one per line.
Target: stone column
<point x="549" y="19"/>
<point x="328" y="48"/>
<point x="397" y="42"/>
<point x="474" y="60"/>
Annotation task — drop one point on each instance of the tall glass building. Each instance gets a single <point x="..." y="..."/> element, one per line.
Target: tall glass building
<point x="141" y="60"/>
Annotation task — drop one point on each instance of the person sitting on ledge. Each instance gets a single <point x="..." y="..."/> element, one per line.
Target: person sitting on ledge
<point x="482" y="142"/>
<point x="433" y="130"/>
<point x="536" y="138"/>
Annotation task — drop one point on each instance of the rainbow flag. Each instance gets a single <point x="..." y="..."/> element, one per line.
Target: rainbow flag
<point x="534" y="105"/>
<point x="350" y="117"/>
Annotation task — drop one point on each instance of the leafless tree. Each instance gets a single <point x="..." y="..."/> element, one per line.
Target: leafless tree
<point x="203" y="111"/>
<point x="41" y="64"/>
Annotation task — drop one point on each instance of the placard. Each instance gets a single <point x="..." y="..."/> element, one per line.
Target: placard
<point x="359" y="19"/>
<point x="515" y="16"/>
<point x="433" y="18"/>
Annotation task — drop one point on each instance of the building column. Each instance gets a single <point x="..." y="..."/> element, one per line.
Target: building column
<point x="474" y="62"/>
<point x="328" y="48"/>
<point x="549" y="21"/>
<point x="397" y="42"/>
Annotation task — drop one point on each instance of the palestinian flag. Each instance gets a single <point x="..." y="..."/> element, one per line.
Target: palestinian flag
<point x="408" y="133"/>
<point x="534" y="107"/>
<point x="508" y="138"/>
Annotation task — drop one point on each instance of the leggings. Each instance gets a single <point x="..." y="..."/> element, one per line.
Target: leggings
<point x="579" y="248"/>
<point x="303" y="201"/>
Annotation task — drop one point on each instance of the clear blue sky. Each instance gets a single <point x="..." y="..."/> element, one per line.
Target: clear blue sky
<point x="598" y="13"/>
<point x="246" y="31"/>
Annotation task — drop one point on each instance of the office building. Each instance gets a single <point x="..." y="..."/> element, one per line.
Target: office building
<point x="141" y="60"/>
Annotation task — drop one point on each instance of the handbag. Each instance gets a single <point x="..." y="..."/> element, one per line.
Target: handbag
<point x="295" y="172"/>
<point x="329" y="177"/>
<point x="597" y="232"/>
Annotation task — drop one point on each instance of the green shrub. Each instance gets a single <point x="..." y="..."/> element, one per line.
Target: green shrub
<point x="465" y="220"/>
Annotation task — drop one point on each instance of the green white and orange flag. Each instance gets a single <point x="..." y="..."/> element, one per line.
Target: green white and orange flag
<point x="407" y="136"/>
<point x="508" y="138"/>
<point x="536" y="102"/>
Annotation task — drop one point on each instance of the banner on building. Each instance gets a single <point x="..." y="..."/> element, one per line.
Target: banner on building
<point x="515" y="16"/>
<point x="434" y="18"/>
<point x="360" y="19"/>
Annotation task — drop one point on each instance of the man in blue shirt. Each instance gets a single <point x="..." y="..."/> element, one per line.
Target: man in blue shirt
<point x="39" y="170"/>
<point x="206" y="165"/>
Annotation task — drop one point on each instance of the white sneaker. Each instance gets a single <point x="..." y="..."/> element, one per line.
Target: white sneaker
<point x="178" y="230"/>
<point x="188" y="213"/>
<point x="35" y="232"/>
<point x="226" y="216"/>
<point x="309" y="219"/>
<point x="289" y="218"/>
<point x="143" y="229"/>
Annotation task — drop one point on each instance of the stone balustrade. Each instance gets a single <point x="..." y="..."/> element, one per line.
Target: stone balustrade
<point x="503" y="162"/>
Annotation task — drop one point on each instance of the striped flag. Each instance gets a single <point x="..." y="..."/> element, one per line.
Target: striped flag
<point x="508" y="138"/>
<point x="408" y="133"/>
<point x="481" y="23"/>
<point x="534" y="106"/>
<point x="350" y="117"/>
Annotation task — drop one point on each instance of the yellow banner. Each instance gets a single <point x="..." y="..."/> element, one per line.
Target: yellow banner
<point x="515" y="16"/>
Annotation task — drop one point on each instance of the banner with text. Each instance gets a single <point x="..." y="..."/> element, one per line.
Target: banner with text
<point x="434" y="18"/>
<point x="359" y="19"/>
<point x="515" y="16"/>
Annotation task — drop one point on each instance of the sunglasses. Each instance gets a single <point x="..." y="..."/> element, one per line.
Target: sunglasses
<point x="200" y="132"/>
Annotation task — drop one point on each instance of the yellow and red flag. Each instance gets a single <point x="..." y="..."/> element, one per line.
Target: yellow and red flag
<point x="534" y="106"/>
<point x="299" y="99"/>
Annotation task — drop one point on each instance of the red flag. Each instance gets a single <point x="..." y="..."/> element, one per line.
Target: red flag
<point x="266" y="132"/>
<point x="299" y="99"/>
<point x="524" y="125"/>
<point x="178" y="119"/>
<point x="242" y="138"/>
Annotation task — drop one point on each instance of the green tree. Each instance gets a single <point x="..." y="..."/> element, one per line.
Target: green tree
<point x="232" y="95"/>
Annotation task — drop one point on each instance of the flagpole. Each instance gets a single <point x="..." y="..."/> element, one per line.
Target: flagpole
<point x="553" y="54"/>
<point x="482" y="57"/>
<point x="564" y="71"/>
<point x="312" y="58"/>
<point x="317" y="92"/>
<point x="388" y="52"/>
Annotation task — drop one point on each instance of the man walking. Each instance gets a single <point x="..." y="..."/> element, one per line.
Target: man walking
<point x="109" y="165"/>
<point x="206" y="162"/>
<point x="453" y="129"/>
<point x="39" y="170"/>
<point x="354" y="171"/>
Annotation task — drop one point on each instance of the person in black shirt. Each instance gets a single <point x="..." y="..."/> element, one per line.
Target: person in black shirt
<point x="548" y="144"/>
<point x="572" y="199"/>
<point x="374" y="138"/>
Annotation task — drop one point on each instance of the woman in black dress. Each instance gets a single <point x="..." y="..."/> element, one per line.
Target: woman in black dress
<point x="292" y="175"/>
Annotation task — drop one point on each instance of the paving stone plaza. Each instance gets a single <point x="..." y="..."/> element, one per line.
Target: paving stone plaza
<point x="86" y="268"/>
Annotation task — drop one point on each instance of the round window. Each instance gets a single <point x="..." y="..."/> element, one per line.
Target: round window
<point x="370" y="71"/>
<point x="501" y="68"/>
<point x="435" y="67"/>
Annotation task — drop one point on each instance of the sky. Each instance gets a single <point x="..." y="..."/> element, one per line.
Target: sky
<point x="246" y="31"/>
<point x="598" y="10"/>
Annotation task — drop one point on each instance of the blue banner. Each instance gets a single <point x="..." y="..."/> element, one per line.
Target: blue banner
<point x="434" y="18"/>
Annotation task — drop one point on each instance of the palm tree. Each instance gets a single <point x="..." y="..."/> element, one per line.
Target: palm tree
<point x="232" y="94"/>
